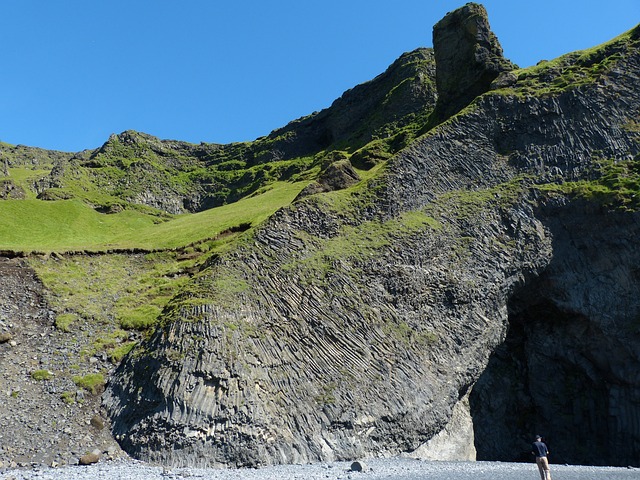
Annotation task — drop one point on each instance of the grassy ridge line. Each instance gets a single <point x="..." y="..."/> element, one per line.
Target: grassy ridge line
<point x="70" y="225"/>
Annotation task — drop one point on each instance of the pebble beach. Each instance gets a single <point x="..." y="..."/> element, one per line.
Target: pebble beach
<point x="374" y="469"/>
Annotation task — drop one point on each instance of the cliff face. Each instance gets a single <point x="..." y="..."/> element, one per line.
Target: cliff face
<point x="337" y="351"/>
<point x="569" y="365"/>
<point x="354" y="323"/>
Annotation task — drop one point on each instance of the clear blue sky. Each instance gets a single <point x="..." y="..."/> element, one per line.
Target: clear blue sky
<point x="75" y="71"/>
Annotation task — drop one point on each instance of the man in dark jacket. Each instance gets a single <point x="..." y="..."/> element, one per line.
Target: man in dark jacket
<point x="540" y="450"/>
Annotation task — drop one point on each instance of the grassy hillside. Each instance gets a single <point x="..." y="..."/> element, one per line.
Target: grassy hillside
<point x="71" y="225"/>
<point x="134" y="170"/>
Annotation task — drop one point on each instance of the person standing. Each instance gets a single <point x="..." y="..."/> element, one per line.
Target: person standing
<point x="540" y="450"/>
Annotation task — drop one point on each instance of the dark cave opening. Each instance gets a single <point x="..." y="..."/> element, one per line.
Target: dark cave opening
<point x="554" y="375"/>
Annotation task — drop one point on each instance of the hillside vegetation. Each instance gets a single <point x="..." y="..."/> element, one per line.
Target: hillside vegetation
<point x="137" y="193"/>
<point x="116" y="232"/>
<point x="356" y="321"/>
<point x="361" y="257"/>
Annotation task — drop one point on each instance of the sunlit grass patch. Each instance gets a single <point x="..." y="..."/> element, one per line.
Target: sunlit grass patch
<point x="71" y="225"/>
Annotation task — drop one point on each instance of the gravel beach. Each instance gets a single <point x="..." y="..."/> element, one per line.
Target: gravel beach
<point x="374" y="469"/>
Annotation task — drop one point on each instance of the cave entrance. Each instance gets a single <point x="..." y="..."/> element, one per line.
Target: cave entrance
<point x="551" y="377"/>
<point x="569" y="366"/>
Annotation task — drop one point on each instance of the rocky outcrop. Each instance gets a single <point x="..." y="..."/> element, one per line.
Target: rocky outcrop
<point x="337" y="176"/>
<point x="468" y="58"/>
<point x="9" y="190"/>
<point x="455" y="442"/>
<point x="354" y="326"/>
<point x="168" y="176"/>
<point x="403" y="94"/>
<point x="301" y="372"/>
<point x="23" y="156"/>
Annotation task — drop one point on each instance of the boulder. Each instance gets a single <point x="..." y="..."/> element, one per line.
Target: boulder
<point x="89" y="458"/>
<point x="97" y="422"/>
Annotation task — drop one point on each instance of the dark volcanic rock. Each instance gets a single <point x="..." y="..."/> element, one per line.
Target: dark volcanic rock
<point x="301" y="373"/>
<point x="404" y="92"/>
<point x="354" y="326"/>
<point x="569" y="366"/>
<point x="9" y="190"/>
<point x="468" y="58"/>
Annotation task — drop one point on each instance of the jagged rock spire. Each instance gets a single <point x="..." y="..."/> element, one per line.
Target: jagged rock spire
<point x="468" y="58"/>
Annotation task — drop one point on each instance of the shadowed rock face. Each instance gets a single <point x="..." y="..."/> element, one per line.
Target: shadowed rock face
<point x="350" y="327"/>
<point x="569" y="366"/>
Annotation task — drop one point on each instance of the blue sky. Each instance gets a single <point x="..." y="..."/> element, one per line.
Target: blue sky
<point x="75" y="71"/>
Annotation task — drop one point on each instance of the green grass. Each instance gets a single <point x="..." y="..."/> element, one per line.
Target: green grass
<point x="111" y="292"/>
<point x="70" y="225"/>
<point x="571" y="70"/>
<point x="68" y="397"/>
<point x="25" y="177"/>
<point x="64" y="320"/>
<point x="110" y="295"/>
<point x="134" y="164"/>
<point x="140" y="318"/>
<point x="40" y="375"/>
<point x="92" y="382"/>
<point x="616" y="185"/>
<point x="356" y="243"/>
<point x="116" y="354"/>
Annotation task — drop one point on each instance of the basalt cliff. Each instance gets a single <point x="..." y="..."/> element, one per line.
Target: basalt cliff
<point x="478" y="282"/>
<point x="466" y="280"/>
